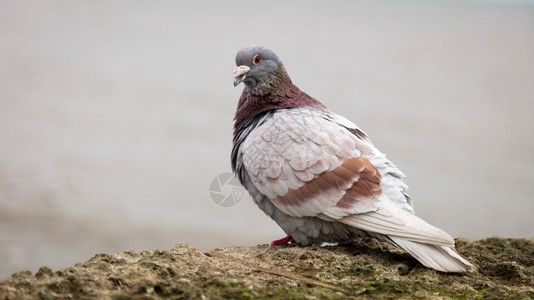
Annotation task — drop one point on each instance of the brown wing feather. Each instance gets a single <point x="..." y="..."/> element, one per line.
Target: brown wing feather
<point x="355" y="181"/>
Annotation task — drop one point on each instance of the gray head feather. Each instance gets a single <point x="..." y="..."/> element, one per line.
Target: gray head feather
<point x="269" y="75"/>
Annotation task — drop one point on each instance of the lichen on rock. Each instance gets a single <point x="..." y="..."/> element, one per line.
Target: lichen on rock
<point x="365" y="269"/>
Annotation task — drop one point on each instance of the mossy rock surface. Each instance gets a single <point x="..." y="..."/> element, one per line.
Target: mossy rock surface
<point x="367" y="269"/>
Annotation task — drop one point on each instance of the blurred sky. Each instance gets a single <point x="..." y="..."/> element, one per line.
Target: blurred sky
<point x="115" y="116"/>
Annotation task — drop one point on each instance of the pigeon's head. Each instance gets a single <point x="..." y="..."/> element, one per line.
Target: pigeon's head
<point x="260" y="69"/>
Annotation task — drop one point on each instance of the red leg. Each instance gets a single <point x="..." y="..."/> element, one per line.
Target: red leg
<point x="288" y="239"/>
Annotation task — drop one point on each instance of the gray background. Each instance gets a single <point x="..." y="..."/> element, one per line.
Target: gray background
<point x="115" y="116"/>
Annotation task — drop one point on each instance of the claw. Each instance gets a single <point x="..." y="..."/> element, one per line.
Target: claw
<point x="288" y="239"/>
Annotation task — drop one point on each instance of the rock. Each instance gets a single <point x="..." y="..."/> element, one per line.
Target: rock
<point x="367" y="269"/>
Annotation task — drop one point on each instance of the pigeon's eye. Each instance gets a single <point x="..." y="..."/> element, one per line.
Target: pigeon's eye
<point x="256" y="60"/>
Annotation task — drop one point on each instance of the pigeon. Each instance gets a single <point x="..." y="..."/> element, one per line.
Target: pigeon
<point x="318" y="175"/>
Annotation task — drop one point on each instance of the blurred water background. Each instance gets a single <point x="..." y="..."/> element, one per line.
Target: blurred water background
<point x="115" y="116"/>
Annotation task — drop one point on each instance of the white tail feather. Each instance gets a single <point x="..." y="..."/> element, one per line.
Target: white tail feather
<point x="441" y="258"/>
<point x="430" y="245"/>
<point x="452" y="252"/>
<point x="391" y="220"/>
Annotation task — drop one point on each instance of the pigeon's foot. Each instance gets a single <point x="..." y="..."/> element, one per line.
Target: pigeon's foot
<point x="288" y="239"/>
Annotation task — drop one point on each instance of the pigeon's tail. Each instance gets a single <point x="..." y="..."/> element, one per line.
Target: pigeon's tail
<point x="441" y="258"/>
<point x="430" y="245"/>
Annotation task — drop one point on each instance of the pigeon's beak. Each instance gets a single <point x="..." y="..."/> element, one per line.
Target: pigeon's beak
<point x="240" y="73"/>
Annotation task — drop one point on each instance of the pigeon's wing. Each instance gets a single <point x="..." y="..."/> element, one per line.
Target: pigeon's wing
<point x="308" y="164"/>
<point x="392" y="183"/>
